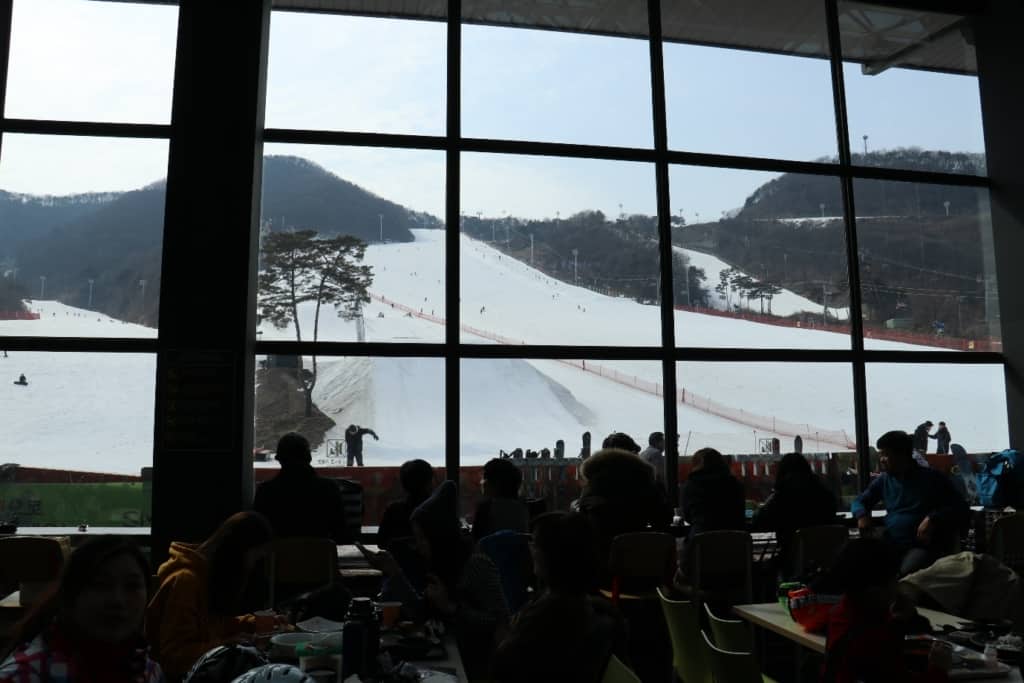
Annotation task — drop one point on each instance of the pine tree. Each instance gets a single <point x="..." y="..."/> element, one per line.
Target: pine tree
<point x="298" y="267"/>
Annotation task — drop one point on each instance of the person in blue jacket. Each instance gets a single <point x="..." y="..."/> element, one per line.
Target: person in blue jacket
<point x="924" y="513"/>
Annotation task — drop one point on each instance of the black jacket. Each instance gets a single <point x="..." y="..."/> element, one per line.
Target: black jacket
<point x="798" y="501"/>
<point x="713" y="500"/>
<point x="300" y="503"/>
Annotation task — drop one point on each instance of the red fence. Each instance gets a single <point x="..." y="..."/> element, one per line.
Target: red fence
<point x="18" y="315"/>
<point x="942" y="342"/>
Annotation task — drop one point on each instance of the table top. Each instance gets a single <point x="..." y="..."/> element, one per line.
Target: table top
<point x="91" y="531"/>
<point x="775" y="618"/>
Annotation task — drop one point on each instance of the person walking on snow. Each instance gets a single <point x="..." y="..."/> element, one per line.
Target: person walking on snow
<point x="354" y="443"/>
<point x="943" y="437"/>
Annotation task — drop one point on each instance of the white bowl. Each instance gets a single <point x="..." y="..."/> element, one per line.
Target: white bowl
<point x="284" y="644"/>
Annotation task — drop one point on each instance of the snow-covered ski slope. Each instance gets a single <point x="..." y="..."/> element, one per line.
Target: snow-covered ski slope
<point x="95" y="411"/>
<point x="783" y="304"/>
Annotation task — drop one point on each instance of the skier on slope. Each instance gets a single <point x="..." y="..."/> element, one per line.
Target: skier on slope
<point x="354" y="443"/>
<point x="22" y="381"/>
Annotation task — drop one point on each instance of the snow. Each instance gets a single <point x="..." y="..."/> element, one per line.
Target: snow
<point x="95" y="411"/>
<point x="783" y="304"/>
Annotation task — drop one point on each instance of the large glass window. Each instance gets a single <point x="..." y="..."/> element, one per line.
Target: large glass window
<point x="78" y="438"/>
<point x="927" y="266"/>
<point x="558" y="251"/>
<point x="360" y="233"/>
<point x="552" y="86"/>
<point x="902" y="67"/>
<point x="75" y="60"/>
<point x="80" y="240"/>
<point x="759" y="259"/>
<point x="367" y="74"/>
<point x="363" y="416"/>
<point x="737" y="86"/>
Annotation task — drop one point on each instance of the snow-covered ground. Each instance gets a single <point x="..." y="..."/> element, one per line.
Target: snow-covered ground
<point x="95" y="411"/>
<point x="783" y="304"/>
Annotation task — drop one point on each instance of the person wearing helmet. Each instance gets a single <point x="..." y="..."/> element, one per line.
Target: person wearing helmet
<point x="224" y="663"/>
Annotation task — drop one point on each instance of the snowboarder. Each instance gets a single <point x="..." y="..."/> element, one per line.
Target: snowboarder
<point x="921" y="435"/>
<point x="943" y="438"/>
<point x="22" y="381"/>
<point x="354" y="443"/>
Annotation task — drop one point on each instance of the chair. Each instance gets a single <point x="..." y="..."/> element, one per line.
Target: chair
<point x="733" y="667"/>
<point x="302" y="563"/>
<point x="689" y="657"/>
<point x="730" y="634"/>
<point x="817" y="547"/>
<point x="617" y="672"/>
<point x="33" y="562"/>
<point x="717" y="554"/>
<point x="641" y="557"/>
<point x="1007" y="540"/>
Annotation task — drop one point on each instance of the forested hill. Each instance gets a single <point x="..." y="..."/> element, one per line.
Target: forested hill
<point x="115" y="239"/>
<point x="920" y="244"/>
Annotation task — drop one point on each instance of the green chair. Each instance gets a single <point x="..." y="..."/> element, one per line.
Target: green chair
<point x="730" y="634"/>
<point x="689" y="657"/>
<point x="617" y="672"/>
<point x="733" y="667"/>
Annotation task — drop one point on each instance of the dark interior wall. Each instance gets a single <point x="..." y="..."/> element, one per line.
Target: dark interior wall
<point x="1000" y="69"/>
<point x="203" y="435"/>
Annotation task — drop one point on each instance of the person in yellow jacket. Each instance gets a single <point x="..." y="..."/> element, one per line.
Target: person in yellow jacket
<point x="199" y="602"/>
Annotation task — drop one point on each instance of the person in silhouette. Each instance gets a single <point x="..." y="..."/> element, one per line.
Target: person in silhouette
<point x="297" y="501"/>
<point x="354" y="443"/>
<point x="943" y="437"/>
<point x="22" y="381"/>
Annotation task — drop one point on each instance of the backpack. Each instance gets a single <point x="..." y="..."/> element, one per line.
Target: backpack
<point x="1001" y="481"/>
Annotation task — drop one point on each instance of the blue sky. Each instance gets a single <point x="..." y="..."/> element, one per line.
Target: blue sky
<point x="78" y="60"/>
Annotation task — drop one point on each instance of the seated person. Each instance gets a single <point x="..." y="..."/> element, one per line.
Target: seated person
<point x="712" y="499"/>
<point x="90" y="628"/>
<point x="799" y="500"/>
<point x="866" y="629"/>
<point x="463" y="586"/>
<point x="654" y="455"/>
<point x="501" y="509"/>
<point x="566" y="634"/>
<point x="417" y="479"/>
<point x="620" y="496"/>
<point x="924" y="513"/>
<point x="298" y="502"/>
<point x="200" y="603"/>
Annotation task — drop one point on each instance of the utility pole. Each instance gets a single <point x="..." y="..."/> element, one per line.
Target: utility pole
<point x="90" y="293"/>
<point x="381" y="217"/>
<point x="531" y="248"/>
<point x="575" y="266"/>
<point x="42" y="286"/>
<point x="865" y="145"/>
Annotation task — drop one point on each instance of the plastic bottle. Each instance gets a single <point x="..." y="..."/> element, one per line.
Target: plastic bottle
<point x="360" y="639"/>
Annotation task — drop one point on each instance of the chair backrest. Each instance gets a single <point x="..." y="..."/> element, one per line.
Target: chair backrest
<point x="510" y="552"/>
<point x="34" y="562"/>
<point x="721" y="560"/>
<point x="617" y="672"/>
<point x="689" y="657"/>
<point x="818" y="547"/>
<point x="307" y="562"/>
<point x="642" y="555"/>
<point x="1007" y="542"/>
<point x="730" y="634"/>
<point x="732" y="667"/>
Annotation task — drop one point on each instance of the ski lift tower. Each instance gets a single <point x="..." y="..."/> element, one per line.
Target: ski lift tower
<point x="360" y="325"/>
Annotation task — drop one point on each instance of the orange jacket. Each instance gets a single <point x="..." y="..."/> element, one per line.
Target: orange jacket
<point x="179" y="625"/>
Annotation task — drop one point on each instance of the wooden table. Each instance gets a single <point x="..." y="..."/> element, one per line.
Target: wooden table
<point x="775" y="618"/>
